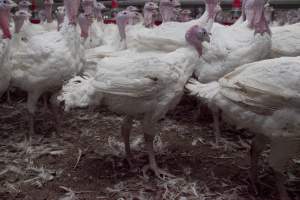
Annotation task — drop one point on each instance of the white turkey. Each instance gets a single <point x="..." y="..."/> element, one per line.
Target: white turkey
<point x="285" y="40"/>
<point x="237" y="45"/>
<point x="166" y="9"/>
<point x="265" y="98"/>
<point x="44" y="61"/>
<point x="29" y="29"/>
<point x="150" y="10"/>
<point x="5" y="49"/>
<point x="169" y="36"/>
<point x="242" y="43"/>
<point x="60" y="15"/>
<point x="95" y="33"/>
<point x="139" y="85"/>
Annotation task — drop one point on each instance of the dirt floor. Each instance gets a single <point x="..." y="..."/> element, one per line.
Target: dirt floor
<point x="86" y="161"/>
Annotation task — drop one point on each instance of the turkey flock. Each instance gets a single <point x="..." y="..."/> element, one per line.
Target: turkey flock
<point x="247" y="73"/>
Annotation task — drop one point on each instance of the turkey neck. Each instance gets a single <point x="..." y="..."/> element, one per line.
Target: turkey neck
<point x="70" y="34"/>
<point x="4" y="23"/>
<point x="48" y="12"/>
<point x="207" y="18"/>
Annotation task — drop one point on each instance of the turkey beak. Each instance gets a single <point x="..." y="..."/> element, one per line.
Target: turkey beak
<point x="12" y="4"/>
<point x="206" y="37"/>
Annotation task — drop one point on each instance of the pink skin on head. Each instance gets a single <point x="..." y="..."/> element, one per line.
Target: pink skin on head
<point x="122" y="19"/>
<point x="85" y="22"/>
<point x="166" y="9"/>
<point x="195" y="36"/>
<point x="150" y="10"/>
<point x="87" y="6"/>
<point x="72" y="7"/>
<point x="185" y="16"/>
<point x="24" y="5"/>
<point x="19" y="19"/>
<point x="98" y="7"/>
<point x="48" y="10"/>
<point x="211" y="8"/>
<point x="60" y="15"/>
<point x="254" y="12"/>
<point x="5" y="7"/>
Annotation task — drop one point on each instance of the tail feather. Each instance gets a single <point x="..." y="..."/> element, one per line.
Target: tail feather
<point x="203" y="91"/>
<point x="78" y="92"/>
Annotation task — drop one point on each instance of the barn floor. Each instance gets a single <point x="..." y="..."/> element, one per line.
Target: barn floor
<point x="86" y="162"/>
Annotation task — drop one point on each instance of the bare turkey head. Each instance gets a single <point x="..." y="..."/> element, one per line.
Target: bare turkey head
<point x="48" y="10"/>
<point x="98" y="7"/>
<point x="212" y="7"/>
<point x="195" y="36"/>
<point x="48" y="2"/>
<point x="292" y="16"/>
<point x="60" y="15"/>
<point x="88" y="6"/>
<point x="150" y="10"/>
<point x="269" y="10"/>
<point x="150" y="6"/>
<point x="85" y="21"/>
<point x="166" y="9"/>
<point x="122" y="19"/>
<point x="5" y="7"/>
<point x="72" y="7"/>
<point x="132" y="9"/>
<point x="255" y="15"/>
<point x="24" y="4"/>
<point x="166" y="3"/>
<point x="19" y="19"/>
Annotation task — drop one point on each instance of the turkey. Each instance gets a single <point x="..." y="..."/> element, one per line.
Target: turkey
<point x="29" y="29"/>
<point x="5" y="49"/>
<point x="138" y="85"/>
<point x="44" y="61"/>
<point x="236" y="45"/>
<point x="227" y="52"/>
<point x="96" y="28"/>
<point x="49" y="23"/>
<point x="150" y="10"/>
<point x="169" y="36"/>
<point x="167" y="39"/>
<point x="185" y="15"/>
<point x="265" y="98"/>
<point x="60" y="15"/>
<point x="138" y="16"/>
<point x="285" y="40"/>
<point x="166" y="9"/>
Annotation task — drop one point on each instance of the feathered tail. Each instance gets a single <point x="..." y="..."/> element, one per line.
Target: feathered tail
<point x="78" y="93"/>
<point x="203" y="91"/>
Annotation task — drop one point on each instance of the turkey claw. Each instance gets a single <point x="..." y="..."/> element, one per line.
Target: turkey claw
<point x="159" y="173"/>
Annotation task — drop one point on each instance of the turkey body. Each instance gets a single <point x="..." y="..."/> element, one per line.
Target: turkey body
<point x="285" y="40"/>
<point x="96" y="35"/>
<point x="46" y="60"/>
<point x="167" y="37"/>
<point x="5" y="65"/>
<point x="143" y="86"/>
<point x="230" y="48"/>
<point x="265" y="98"/>
<point x="42" y="63"/>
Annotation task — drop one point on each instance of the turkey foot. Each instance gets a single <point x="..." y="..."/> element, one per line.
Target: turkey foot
<point x="159" y="173"/>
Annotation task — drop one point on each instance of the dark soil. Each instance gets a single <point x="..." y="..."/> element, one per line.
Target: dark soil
<point x="86" y="161"/>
